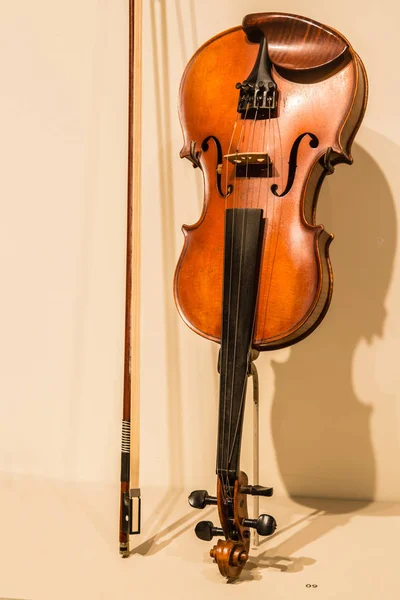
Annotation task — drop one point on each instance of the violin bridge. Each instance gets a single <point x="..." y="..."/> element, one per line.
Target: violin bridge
<point x="251" y="164"/>
<point x="248" y="158"/>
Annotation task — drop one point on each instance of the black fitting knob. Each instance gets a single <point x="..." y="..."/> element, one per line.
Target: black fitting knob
<point x="205" y="530"/>
<point x="200" y="499"/>
<point x="265" y="524"/>
<point x="257" y="490"/>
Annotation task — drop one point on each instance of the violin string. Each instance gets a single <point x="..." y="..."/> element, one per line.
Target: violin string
<point x="270" y="214"/>
<point x="224" y="453"/>
<point x="271" y="157"/>
<point x="262" y="135"/>
<point x="223" y="408"/>
<point x="227" y="161"/>
<point x="242" y="244"/>
<point x="236" y="429"/>
<point x="278" y="202"/>
<point x="258" y="204"/>
<point x="238" y="189"/>
<point x="269" y="162"/>
<point x="242" y="137"/>
<point x="250" y="150"/>
<point x="242" y="240"/>
<point x="223" y="487"/>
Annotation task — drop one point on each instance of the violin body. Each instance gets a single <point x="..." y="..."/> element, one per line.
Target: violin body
<point x="322" y="91"/>
<point x="267" y="110"/>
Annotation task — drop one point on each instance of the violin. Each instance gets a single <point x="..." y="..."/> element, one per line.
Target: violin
<point x="267" y="110"/>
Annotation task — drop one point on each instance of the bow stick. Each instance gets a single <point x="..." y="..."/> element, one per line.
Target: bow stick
<point x="130" y="503"/>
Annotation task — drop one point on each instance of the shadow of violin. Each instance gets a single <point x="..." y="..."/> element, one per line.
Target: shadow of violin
<point x="283" y="556"/>
<point x="320" y="426"/>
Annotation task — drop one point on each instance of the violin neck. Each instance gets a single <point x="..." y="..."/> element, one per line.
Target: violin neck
<point x="243" y="241"/>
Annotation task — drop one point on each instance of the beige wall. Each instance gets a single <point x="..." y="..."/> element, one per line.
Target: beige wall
<point x="328" y="406"/>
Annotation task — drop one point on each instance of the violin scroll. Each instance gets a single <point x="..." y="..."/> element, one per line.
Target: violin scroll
<point x="232" y="553"/>
<point x="231" y="557"/>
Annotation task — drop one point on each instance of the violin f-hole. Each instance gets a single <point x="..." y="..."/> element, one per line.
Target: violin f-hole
<point x="293" y="163"/>
<point x="204" y="147"/>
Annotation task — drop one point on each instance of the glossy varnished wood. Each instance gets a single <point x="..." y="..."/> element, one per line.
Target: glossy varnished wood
<point x="322" y="90"/>
<point x="296" y="42"/>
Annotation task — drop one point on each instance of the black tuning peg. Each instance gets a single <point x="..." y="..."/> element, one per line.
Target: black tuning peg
<point x="205" y="530"/>
<point x="257" y="490"/>
<point x="265" y="524"/>
<point x="200" y="499"/>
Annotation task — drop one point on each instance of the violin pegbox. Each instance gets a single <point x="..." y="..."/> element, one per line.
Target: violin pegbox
<point x="232" y="553"/>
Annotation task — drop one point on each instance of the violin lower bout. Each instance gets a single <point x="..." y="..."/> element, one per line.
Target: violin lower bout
<point x="295" y="284"/>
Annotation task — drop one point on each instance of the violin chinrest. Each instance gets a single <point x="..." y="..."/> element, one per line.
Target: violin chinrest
<point x="294" y="42"/>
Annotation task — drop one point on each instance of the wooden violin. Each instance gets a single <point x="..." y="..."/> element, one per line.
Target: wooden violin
<point x="267" y="110"/>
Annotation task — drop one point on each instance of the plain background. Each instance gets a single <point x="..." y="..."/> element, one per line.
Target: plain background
<point x="329" y="406"/>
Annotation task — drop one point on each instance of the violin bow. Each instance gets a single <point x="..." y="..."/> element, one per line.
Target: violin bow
<point x="130" y="499"/>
